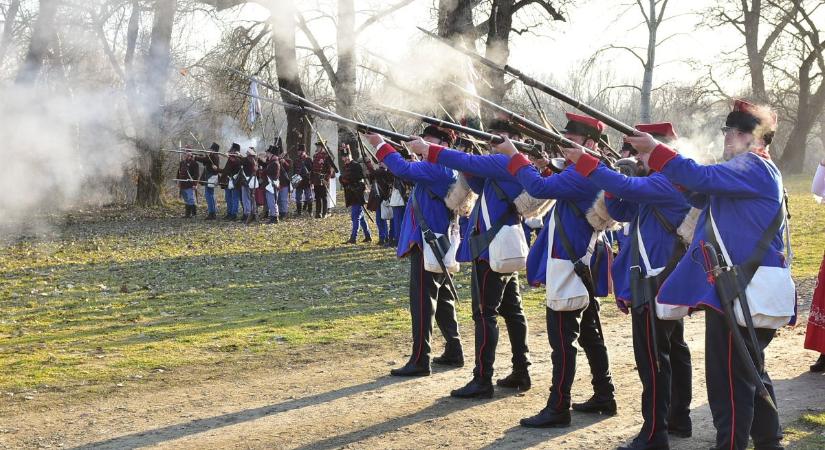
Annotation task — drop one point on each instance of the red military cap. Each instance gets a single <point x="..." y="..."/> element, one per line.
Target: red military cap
<point x="584" y="126"/>
<point x="663" y="131"/>
<point x="747" y="117"/>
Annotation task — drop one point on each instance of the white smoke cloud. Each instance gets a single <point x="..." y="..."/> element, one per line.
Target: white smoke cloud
<point x="60" y="149"/>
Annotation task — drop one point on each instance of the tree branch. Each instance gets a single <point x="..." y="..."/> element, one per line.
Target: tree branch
<point x="317" y="50"/>
<point x="381" y="14"/>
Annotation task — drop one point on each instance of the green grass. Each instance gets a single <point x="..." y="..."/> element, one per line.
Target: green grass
<point x="807" y="226"/>
<point x="807" y="433"/>
<point x="114" y="295"/>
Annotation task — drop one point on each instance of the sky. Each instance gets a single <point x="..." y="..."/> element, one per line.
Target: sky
<point x="557" y="47"/>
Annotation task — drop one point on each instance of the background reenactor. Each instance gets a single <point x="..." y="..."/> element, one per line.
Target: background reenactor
<point x="249" y="182"/>
<point x="303" y="189"/>
<point x="229" y="182"/>
<point x="381" y="182"/>
<point x="352" y="179"/>
<point x="209" y="176"/>
<point x="285" y="186"/>
<point x="272" y="186"/>
<point x="322" y="172"/>
<point x="188" y="170"/>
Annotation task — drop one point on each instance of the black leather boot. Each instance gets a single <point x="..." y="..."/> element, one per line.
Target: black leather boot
<point x="476" y="388"/>
<point x="641" y="443"/>
<point x="411" y="370"/>
<point x="187" y="212"/>
<point x="194" y="210"/>
<point x="308" y="207"/>
<point x="596" y="405"/>
<point x="819" y="365"/>
<point x="518" y="379"/>
<point x="547" y="418"/>
<point x="299" y="206"/>
<point x="450" y="359"/>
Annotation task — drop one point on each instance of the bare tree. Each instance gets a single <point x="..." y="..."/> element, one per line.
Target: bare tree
<point x="41" y="40"/>
<point x="152" y="103"/>
<point x="342" y="77"/>
<point x="748" y="17"/>
<point x="8" y="28"/>
<point x="807" y="91"/>
<point x="499" y="26"/>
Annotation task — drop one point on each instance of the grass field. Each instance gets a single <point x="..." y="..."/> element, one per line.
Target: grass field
<point x="114" y="296"/>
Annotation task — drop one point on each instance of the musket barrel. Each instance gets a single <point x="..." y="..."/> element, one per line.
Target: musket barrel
<point x="532" y="82"/>
<point x="530" y="125"/>
<point x="492" y="138"/>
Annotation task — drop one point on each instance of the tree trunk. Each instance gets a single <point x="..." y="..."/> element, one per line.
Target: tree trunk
<point x="286" y="66"/>
<point x="42" y="36"/>
<point x="8" y="28"/>
<point x="153" y="98"/>
<point x="793" y="154"/>
<point x="650" y="63"/>
<point x="755" y="62"/>
<point x="344" y="82"/>
<point x="498" y="47"/>
<point x="455" y="22"/>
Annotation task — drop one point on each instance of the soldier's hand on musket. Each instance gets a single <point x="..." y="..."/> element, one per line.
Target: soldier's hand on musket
<point x="643" y="142"/>
<point x="573" y="153"/>
<point x="374" y="139"/>
<point x="506" y="147"/>
<point x="419" y="146"/>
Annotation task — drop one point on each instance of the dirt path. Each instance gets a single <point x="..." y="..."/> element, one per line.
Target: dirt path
<point x="351" y="403"/>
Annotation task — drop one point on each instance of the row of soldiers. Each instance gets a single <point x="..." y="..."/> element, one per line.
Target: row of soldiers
<point x="250" y="182"/>
<point x="683" y="229"/>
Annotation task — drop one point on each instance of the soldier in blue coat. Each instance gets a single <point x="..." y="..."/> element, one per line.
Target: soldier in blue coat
<point x="571" y="258"/>
<point x="741" y="225"/>
<point x="436" y="189"/>
<point x="655" y="210"/>
<point x="495" y="292"/>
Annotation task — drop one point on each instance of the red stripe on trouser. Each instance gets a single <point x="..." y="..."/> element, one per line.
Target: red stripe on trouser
<point x="483" y="327"/>
<point x="652" y="375"/>
<point x="730" y="384"/>
<point x="563" y="359"/>
<point x="420" y="309"/>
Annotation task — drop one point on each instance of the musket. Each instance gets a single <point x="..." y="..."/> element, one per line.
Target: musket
<point x="534" y="127"/>
<point x="192" y="150"/>
<point x="190" y="181"/>
<point x="739" y="344"/>
<point x="197" y="140"/>
<point x="402" y="144"/>
<point x="320" y="111"/>
<point x="361" y="144"/>
<point x="532" y="82"/>
<point x="323" y="144"/>
<point x="494" y="139"/>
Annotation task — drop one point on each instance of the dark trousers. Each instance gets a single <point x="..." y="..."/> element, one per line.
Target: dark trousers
<point x="497" y="294"/>
<point x="565" y="327"/>
<point x="736" y="408"/>
<point x="321" y="201"/>
<point x="428" y="289"/>
<point x="666" y="393"/>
